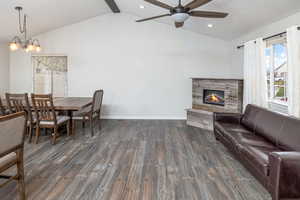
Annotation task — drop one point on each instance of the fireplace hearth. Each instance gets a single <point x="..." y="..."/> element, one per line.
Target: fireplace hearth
<point x="214" y="97"/>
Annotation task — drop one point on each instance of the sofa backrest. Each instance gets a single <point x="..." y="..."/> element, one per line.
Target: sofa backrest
<point x="281" y="130"/>
<point x="250" y="115"/>
<point x="289" y="139"/>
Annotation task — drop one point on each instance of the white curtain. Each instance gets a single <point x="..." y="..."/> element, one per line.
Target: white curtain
<point x="255" y="74"/>
<point x="293" y="45"/>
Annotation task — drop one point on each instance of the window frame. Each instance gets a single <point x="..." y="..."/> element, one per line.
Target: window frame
<point x="67" y="74"/>
<point x="270" y="45"/>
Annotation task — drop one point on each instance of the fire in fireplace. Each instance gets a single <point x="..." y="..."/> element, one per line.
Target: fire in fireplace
<point x="215" y="97"/>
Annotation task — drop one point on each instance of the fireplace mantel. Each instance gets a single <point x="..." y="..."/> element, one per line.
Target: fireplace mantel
<point x="201" y="113"/>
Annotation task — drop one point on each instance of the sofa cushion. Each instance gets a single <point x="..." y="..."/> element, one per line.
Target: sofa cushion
<point x="233" y="132"/>
<point x="232" y="127"/>
<point x="289" y="138"/>
<point x="239" y="135"/>
<point x="255" y="141"/>
<point x="249" y="118"/>
<point x="258" y="156"/>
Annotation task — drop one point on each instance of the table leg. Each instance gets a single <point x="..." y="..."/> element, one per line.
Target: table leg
<point x="71" y="128"/>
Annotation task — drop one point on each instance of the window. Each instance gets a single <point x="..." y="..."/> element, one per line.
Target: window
<point x="276" y="62"/>
<point x="50" y="75"/>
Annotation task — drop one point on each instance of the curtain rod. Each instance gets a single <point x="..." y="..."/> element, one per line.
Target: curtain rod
<point x="267" y="38"/>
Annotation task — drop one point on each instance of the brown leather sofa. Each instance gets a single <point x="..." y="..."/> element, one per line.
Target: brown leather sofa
<point x="268" y="145"/>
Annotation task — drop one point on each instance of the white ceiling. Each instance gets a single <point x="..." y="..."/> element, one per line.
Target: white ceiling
<point x="245" y="15"/>
<point x="45" y="15"/>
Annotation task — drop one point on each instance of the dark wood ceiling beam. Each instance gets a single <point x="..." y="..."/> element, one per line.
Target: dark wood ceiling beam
<point x="113" y="6"/>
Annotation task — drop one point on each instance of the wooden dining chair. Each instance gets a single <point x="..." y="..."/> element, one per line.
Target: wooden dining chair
<point x="2" y="108"/>
<point x="12" y="132"/>
<point x="47" y="117"/>
<point x="19" y="103"/>
<point x="92" y="112"/>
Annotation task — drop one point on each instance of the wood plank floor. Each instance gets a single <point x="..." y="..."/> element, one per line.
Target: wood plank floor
<point x="135" y="160"/>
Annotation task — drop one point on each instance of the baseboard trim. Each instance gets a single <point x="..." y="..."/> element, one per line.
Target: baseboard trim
<point x="147" y="117"/>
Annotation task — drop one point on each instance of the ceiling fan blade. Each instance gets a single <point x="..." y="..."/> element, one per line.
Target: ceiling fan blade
<point x="150" y="18"/>
<point x="179" y="24"/>
<point x="160" y="4"/>
<point x="208" y="14"/>
<point x="196" y="3"/>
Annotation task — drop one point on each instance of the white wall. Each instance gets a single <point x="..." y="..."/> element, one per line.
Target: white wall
<point x="4" y="69"/>
<point x="265" y="31"/>
<point x="144" y="68"/>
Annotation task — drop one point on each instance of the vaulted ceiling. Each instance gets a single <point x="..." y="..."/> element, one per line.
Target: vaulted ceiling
<point x="245" y="15"/>
<point x="46" y="15"/>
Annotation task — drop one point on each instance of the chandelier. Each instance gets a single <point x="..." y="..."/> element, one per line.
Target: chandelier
<point x="27" y="44"/>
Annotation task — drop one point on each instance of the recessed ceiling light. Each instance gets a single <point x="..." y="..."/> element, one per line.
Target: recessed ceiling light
<point x="210" y="25"/>
<point x="142" y="7"/>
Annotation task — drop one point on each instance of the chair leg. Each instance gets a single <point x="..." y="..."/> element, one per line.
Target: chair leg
<point x="20" y="171"/>
<point x="91" y="126"/>
<point x="37" y="134"/>
<point x="83" y="123"/>
<point x="27" y="131"/>
<point x="68" y="127"/>
<point x="54" y="135"/>
<point x="30" y="133"/>
<point x="73" y="129"/>
<point x="99" y="122"/>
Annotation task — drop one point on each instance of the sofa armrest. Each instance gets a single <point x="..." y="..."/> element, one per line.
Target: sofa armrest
<point x="234" y="118"/>
<point x="284" y="179"/>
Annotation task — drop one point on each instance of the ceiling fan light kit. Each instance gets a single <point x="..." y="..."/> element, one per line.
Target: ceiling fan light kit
<point x="181" y="13"/>
<point x="180" y="17"/>
<point x="24" y="43"/>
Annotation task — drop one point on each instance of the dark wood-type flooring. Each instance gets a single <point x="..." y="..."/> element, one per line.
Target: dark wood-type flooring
<point x="135" y="160"/>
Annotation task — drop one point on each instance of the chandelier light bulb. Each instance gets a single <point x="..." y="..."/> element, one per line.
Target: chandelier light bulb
<point x="27" y="49"/>
<point x="30" y="47"/>
<point x="38" y="48"/>
<point x="13" y="46"/>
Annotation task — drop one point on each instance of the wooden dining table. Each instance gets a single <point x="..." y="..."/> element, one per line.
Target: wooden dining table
<point x="69" y="105"/>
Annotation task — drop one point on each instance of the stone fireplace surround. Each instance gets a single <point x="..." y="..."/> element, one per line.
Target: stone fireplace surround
<point x="201" y="114"/>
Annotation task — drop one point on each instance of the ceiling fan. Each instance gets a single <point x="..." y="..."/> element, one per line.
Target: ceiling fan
<point x="181" y="13"/>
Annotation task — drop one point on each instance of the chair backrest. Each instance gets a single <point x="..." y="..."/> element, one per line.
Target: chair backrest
<point x="18" y="103"/>
<point x="12" y="132"/>
<point x="2" y="108"/>
<point x="44" y="107"/>
<point x="97" y="101"/>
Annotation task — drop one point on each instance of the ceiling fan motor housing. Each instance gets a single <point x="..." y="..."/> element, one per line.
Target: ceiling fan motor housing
<point x="179" y="9"/>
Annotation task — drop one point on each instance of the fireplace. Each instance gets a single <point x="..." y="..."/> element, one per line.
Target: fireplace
<point x="214" y="97"/>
